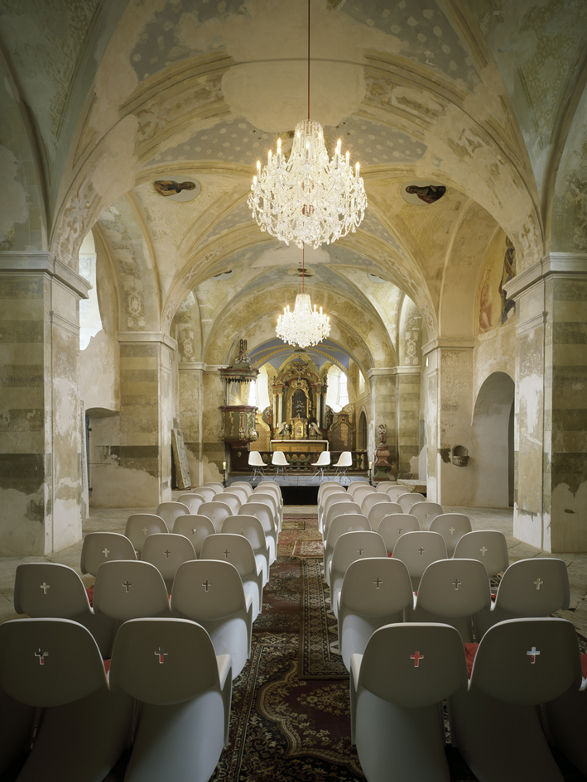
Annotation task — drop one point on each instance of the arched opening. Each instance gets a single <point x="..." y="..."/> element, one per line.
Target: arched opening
<point x="493" y="428"/>
<point x="362" y="432"/>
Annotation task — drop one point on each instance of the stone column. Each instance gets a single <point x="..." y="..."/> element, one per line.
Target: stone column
<point x="408" y="411"/>
<point x="40" y="452"/>
<point x="550" y="499"/>
<point x="213" y="453"/>
<point x="383" y="410"/>
<point x="146" y="418"/>
<point x="447" y="412"/>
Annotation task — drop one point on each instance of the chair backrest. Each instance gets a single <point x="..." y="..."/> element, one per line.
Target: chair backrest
<point x="195" y="527"/>
<point x="383" y="486"/>
<point x="278" y="459"/>
<point x="169" y="511"/>
<point x="192" y="500"/>
<point x="333" y="498"/>
<point x="99" y="547"/>
<point x="128" y="589"/>
<point x="232" y="500"/>
<point x="269" y="487"/>
<point x="167" y="551"/>
<point x="452" y="527"/>
<point x="216" y="512"/>
<point x="250" y="527"/>
<point x="395" y="492"/>
<point x="139" y="525"/>
<point x="372" y="499"/>
<point x="345" y="459"/>
<point x="244" y="485"/>
<point x="256" y="460"/>
<point x="338" y="509"/>
<point x="407" y="499"/>
<point x="354" y="486"/>
<point x="329" y="487"/>
<point x="323" y="459"/>
<point x="376" y="586"/>
<point x="263" y="513"/>
<point x="527" y="661"/>
<point x="207" y="589"/>
<point x="395" y="524"/>
<point x="233" y="548"/>
<point x="350" y="547"/>
<point x="425" y="512"/>
<point x="381" y="509"/>
<point x="359" y="494"/>
<point x="454" y="588"/>
<point x="43" y="589"/>
<point x="534" y="587"/>
<point x="215" y="485"/>
<point x="414" y="664"/>
<point x="205" y="492"/>
<point x="153" y="661"/>
<point x="238" y="491"/>
<point x="347" y="522"/>
<point x="49" y="662"/>
<point x="267" y="498"/>
<point x="418" y="549"/>
<point x="488" y="546"/>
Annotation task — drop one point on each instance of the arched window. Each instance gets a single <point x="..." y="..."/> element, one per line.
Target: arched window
<point x="259" y="391"/>
<point x="337" y="395"/>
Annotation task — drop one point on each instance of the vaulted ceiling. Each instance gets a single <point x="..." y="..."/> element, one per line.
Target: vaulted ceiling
<point x="101" y="98"/>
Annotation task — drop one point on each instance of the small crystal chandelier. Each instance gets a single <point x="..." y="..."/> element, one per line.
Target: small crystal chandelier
<point x="304" y="326"/>
<point x="308" y="199"/>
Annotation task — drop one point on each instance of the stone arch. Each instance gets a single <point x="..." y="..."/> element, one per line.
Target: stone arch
<point x="492" y="457"/>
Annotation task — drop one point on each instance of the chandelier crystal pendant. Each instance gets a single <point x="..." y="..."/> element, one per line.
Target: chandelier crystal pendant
<point x="304" y="327"/>
<point x="308" y="198"/>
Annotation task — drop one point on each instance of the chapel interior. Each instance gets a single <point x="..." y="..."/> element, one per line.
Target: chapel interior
<point x="140" y="297"/>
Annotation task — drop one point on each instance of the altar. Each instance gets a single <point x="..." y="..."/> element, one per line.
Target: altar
<point x="308" y="446"/>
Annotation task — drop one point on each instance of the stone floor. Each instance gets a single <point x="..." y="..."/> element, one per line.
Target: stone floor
<point x="481" y="518"/>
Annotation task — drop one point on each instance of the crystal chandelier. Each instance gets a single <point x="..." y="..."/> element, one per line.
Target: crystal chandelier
<point x="304" y="326"/>
<point x="309" y="198"/>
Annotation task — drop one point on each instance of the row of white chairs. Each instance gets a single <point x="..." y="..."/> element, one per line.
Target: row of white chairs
<point x="280" y="463"/>
<point x="378" y="590"/>
<point x="524" y="689"/>
<point x="64" y="718"/>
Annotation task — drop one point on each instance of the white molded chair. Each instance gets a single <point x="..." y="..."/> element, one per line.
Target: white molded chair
<point x="383" y="486"/>
<point x="375" y="591"/>
<point x="232" y="500"/>
<point x="395" y="524"/>
<point x="238" y="491"/>
<point x="488" y="546"/>
<point x="216" y="486"/>
<point x="210" y="592"/>
<point x="339" y="509"/>
<point x="520" y="664"/>
<point x="347" y="522"/>
<point x="322" y="462"/>
<point x="252" y="529"/>
<point x="418" y="549"/>
<point x="55" y="665"/>
<point x="363" y="491"/>
<point x="279" y="461"/>
<point x="329" y="487"/>
<point x="529" y="587"/>
<point x="268" y="498"/>
<point x="169" y="511"/>
<point x="348" y="548"/>
<point x="373" y="498"/>
<point x="452" y="527"/>
<point x="185" y="708"/>
<point x="167" y="551"/>
<point x="331" y="498"/>
<point x="195" y="527"/>
<point x="358" y="484"/>
<point x="99" y="547"/>
<point x="139" y="525"/>
<point x="408" y="498"/>
<point x="244" y="485"/>
<point x="50" y="589"/>
<point x="216" y="512"/>
<point x="128" y="589"/>
<point x="236" y="549"/>
<point x="396" y="689"/>
<point x="425" y="512"/>
<point x="257" y="463"/>
<point x="453" y="591"/>
<point x="205" y="492"/>
<point x="395" y="492"/>
<point x="262" y="512"/>
<point x="192" y="500"/>
<point x="345" y="460"/>
<point x="380" y="510"/>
